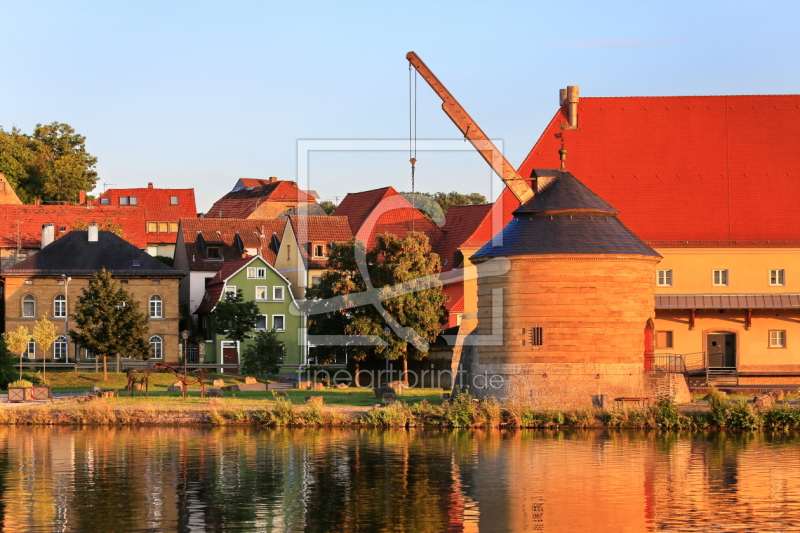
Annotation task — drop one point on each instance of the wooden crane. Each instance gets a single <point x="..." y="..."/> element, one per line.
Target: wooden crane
<point x="473" y="133"/>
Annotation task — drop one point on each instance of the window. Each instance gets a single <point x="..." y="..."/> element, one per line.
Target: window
<point x="28" y="306"/>
<point x="173" y="200"/>
<point x="123" y="200"/>
<point x="720" y="277"/>
<point x="163" y="227"/>
<point x="777" y="339"/>
<point x="277" y="293"/>
<point x="214" y="253"/>
<point x="134" y="200"/>
<point x="316" y="280"/>
<point x="261" y="273"/>
<point x="152" y="249"/>
<point x="664" y="278"/>
<point x="156" y="307"/>
<point x="156" y="347"/>
<point x="173" y="227"/>
<point x="777" y="277"/>
<point x="230" y="290"/>
<point x="319" y="250"/>
<point x="30" y="351"/>
<point x="261" y="323"/>
<point x="60" y="306"/>
<point x="89" y="355"/>
<point x="152" y="227"/>
<point x="261" y="293"/>
<point x="60" y="348"/>
<point x="155" y="282"/>
<point x="104" y="201"/>
<point x="664" y="339"/>
<point x="251" y="273"/>
<point x="277" y="323"/>
<point x="537" y="336"/>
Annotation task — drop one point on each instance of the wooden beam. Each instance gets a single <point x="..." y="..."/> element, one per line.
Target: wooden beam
<point x="691" y="319"/>
<point x="749" y="320"/>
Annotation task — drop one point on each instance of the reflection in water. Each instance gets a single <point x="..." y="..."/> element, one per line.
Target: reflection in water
<point x="316" y="480"/>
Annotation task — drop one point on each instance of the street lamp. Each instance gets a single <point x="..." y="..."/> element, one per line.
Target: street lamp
<point x="185" y="335"/>
<point x="67" y="279"/>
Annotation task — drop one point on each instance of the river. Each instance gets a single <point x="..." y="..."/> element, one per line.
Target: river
<point x="105" y="479"/>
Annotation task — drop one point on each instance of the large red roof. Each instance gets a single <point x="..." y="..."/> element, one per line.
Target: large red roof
<point x="22" y="224"/>
<point x="310" y="230"/>
<point x="265" y="235"/>
<point x="687" y="170"/>
<point x="242" y="202"/>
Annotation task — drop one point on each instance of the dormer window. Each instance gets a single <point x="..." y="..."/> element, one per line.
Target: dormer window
<point x="128" y="200"/>
<point x="105" y="201"/>
<point x="214" y="253"/>
<point x="318" y="250"/>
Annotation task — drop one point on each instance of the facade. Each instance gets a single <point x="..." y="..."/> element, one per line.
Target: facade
<point x="205" y="245"/>
<point x="163" y="209"/>
<point x="49" y="283"/>
<point x="262" y="284"/>
<point x="304" y="248"/>
<point x="256" y="199"/>
<point x="710" y="182"/>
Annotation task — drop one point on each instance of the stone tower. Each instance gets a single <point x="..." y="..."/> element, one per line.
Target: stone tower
<point x="575" y="303"/>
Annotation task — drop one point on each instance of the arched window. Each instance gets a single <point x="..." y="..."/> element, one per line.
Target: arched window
<point x="60" y="306"/>
<point x="60" y="348"/>
<point x="156" y="347"/>
<point x="155" y="307"/>
<point x="28" y="306"/>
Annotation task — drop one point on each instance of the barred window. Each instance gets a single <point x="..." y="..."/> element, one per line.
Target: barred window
<point x="537" y="336"/>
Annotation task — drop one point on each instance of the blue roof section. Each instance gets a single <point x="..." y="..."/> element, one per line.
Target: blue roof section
<point x="564" y="193"/>
<point x="565" y="218"/>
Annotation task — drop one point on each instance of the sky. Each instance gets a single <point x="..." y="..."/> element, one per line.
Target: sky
<point x="194" y="94"/>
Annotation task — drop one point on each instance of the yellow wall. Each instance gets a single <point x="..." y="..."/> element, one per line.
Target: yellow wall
<point x="290" y="264"/>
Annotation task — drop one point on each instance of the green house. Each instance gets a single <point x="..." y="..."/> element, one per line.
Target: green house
<point x="262" y="284"/>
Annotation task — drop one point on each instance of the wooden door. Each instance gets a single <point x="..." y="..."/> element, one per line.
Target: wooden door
<point x="230" y="356"/>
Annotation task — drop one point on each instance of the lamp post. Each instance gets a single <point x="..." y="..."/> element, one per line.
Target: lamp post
<point x="386" y="332"/>
<point x="185" y="335"/>
<point x="67" y="279"/>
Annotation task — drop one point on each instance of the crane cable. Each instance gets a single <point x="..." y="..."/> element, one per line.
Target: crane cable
<point x="412" y="134"/>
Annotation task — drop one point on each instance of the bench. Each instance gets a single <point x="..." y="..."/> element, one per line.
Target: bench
<point x="638" y="401"/>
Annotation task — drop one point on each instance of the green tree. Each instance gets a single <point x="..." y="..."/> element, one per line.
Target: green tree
<point x="430" y="204"/>
<point x="234" y="317"/>
<point x="17" y="343"/>
<point x="51" y="164"/>
<point x="406" y="273"/>
<point x="110" y="321"/>
<point x="6" y="364"/>
<point x="328" y="206"/>
<point x="264" y="356"/>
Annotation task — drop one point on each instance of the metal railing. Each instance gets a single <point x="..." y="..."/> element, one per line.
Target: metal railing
<point x="664" y="362"/>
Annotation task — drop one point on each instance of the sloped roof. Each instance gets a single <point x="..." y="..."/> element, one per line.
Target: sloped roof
<point x="242" y="202"/>
<point x="216" y="285"/>
<point x="23" y="223"/>
<point x="456" y="293"/>
<point x="73" y="254"/>
<point x="155" y="202"/>
<point x="687" y="170"/>
<point x="587" y="227"/>
<point x="460" y="224"/>
<point x="321" y="230"/>
<point x="728" y="301"/>
<point x="262" y="234"/>
<point x="371" y="213"/>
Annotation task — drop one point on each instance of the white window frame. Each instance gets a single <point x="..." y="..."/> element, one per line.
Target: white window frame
<point x="156" y="306"/>
<point x="156" y="354"/>
<point x="261" y="273"/>
<point x="228" y="289"/>
<point x="316" y="280"/>
<point x="266" y="323"/>
<point x="777" y="338"/>
<point x="777" y="277"/>
<point x="275" y="291"/>
<point x="265" y="295"/>
<point x="717" y="276"/>
<point x="283" y="320"/>
<point x="314" y="251"/>
<point x="251" y="272"/>
<point x="664" y="278"/>
<point x="30" y="350"/>
<point x="89" y="356"/>
<point x="32" y="299"/>
<point x="60" y="306"/>
<point x="59" y="345"/>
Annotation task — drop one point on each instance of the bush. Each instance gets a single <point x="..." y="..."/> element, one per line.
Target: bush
<point x="7" y="370"/>
<point x="21" y="383"/>
<point x="395" y="414"/>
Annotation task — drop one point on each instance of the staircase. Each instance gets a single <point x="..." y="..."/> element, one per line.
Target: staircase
<point x="722" y="377"/>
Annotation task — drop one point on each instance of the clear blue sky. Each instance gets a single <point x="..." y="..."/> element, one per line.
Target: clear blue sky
<point x="198" y="94"/>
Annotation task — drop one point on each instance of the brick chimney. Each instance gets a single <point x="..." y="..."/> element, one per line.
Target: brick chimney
<point x="273" y="179"/>
<point x="562" y="97"/>
<point x="93" y="232"/>
<point x="82" y="198"/>
<point x="150" y="185"/>
<point x="48" y="234"/>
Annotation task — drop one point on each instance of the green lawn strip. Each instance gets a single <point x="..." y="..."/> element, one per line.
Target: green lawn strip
<point x="83" y="382"/>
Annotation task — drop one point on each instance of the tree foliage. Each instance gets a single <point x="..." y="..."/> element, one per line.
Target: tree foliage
<point x="107" y="225"/>
<point x="234" y="317"/>
<point x="7" y="372"/>
<point x="328" y="206"/>
<point x="406" y="273"/>
<point x="44" y="335"/>
<point x="109" y="321"/>
<point x="51" y="164"/>
<point x="425" y="200"/>
<point x="17" y="343"/>
<point x="264" y="356"/>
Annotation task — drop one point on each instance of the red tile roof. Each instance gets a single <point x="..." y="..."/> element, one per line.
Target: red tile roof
<point x="216" y="284"/>
<point x="23" y="223"/>
<point x="371" y="213"/>
<point x="310" y="230"/>
<point x="262" y="234"/>
<point x="687" y="170"/>
<point x="241" y="203"/>
<point x="456" y="293"/>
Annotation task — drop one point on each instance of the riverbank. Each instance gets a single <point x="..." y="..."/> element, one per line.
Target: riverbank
<point x="718" y="412"/>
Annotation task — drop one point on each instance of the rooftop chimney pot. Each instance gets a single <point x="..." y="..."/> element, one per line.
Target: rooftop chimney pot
<point x="93" y="232"/>
<point x="562" y="97"/>
<point x="48" y="234"/>
<point x="573" y="95"/>
<point x="273" y="179"/>
<point x="150" y="185"/>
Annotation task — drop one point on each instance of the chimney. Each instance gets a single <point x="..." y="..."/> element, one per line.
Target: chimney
<point x="150" y="185"/>
<point x="48" y="234"/>
<point x="273" y="179"/>
<point x="562" y="97"/>
<point x="37" y="202"/>
<point x="82" y="198"/>
<point x="93" y="232"/>
<point x="573" y="92"/>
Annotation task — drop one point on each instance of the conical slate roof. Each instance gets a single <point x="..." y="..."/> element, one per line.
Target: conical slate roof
<point x="565" y="217"/>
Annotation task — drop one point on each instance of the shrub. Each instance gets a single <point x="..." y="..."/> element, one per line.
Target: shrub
<point x="21" y="383"/>
<point x="395" y="414"/>
<point x="461" y="411"/>
<point x="283" y="412"/>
